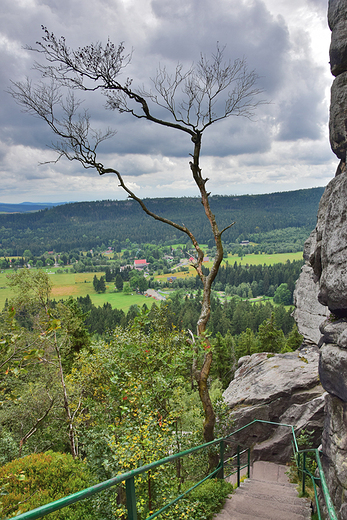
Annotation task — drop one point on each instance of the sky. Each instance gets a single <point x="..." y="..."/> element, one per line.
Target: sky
<point x="285" y="147"/>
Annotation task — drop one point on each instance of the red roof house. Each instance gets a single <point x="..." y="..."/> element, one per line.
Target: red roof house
<point x="140" y="263"/>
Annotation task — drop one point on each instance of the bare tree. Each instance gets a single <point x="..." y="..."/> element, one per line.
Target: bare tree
<point x="210" y="91"/>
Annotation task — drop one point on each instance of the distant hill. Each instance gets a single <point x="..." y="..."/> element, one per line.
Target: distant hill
<point x="27" y="207"/>
<point x="85" y="225"/>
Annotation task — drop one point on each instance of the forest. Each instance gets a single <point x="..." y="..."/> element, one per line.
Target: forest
<point x="88" y="225"/>
<point x="97" y="391"/>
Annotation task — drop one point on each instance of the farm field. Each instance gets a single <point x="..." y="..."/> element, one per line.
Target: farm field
<point x="261" y="259"/>
<point x="81" y="284"/>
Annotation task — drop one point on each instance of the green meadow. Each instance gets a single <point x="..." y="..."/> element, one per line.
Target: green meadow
<point x="278" y="258"/>
<point x="81" y="284"/>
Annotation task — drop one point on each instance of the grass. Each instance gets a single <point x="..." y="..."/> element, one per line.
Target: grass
<point x="177" y="274"/>
<point x="278" y="258"/>
<point x="261" y="259"/>
<point x="79" y="284"/>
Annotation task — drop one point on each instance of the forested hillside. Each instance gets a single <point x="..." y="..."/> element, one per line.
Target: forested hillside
<point x="86" y="225"/>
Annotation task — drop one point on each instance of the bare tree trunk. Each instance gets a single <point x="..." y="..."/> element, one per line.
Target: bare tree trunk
<point x="69" y="415"/>
<point x="211" y="79"/>
<point x="202" y="375"/>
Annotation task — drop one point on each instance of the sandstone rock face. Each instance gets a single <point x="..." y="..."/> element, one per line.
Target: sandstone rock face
<point x="277" y="388"/>
<point x="308" y="313"/>
<point x="334" y="444"/>
<point x="333" y="370"/>
<point x="329" y="259"/>
<point x="332" y="219"/>
<point x="329" y="262"/>
<point x="337" y="120"/>
<point x="338" y="47"/>
<point x="336" y="12"/>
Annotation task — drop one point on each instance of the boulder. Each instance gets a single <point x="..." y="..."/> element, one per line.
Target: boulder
<point x="329" y="257"/>
<point x="338" y="48"/>
<point x="276" y="388"/>
<point x="337" y="11"/>
<point x="337" y="119"/>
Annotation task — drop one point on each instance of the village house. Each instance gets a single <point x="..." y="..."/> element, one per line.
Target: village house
<point x="140" y="264"/>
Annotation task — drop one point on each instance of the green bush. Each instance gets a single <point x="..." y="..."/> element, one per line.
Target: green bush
<point x="202" y="503"/>
<point x="41" y="478"/>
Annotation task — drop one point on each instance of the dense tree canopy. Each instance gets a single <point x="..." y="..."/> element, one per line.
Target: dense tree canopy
<point x="87" y="225"/>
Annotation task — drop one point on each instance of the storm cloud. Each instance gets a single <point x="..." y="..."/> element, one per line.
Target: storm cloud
<point x="285" y="146"/>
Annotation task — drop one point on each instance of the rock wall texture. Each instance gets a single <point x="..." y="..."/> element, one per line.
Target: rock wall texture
<point x="328" y="259"/>
<point x="309" y="313"/>
<point x="278" y="388"/>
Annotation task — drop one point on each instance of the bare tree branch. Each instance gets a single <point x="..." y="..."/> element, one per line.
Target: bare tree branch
<point x="208" y="92"/>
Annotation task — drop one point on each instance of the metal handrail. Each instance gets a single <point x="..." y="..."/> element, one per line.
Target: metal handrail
<point x="321" y="478"/>
<point x="129" y="477"/>
<point x="240" y="466"/>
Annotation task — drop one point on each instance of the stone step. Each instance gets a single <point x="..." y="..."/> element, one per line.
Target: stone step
<point x="270" y="472"/>
<point x="254" y="515"/>
<point x="267" y="506"/>
<point x="264" y="487"/>
<point x="287" y="503"/>
<point x="267" y="495"/>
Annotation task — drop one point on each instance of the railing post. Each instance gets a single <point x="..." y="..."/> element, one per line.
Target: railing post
<point x="131" y="498"/>
<point x="303" y="472"/>
<point x="248" y="462"/>
<point x="220" y="474"/>
<point x="238" y="465"/>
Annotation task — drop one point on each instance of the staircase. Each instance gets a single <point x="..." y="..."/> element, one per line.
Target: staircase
<point x="268" y="495"/>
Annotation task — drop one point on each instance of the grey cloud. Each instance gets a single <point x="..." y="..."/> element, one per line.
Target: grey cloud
<point x="185" y="29"/>
<point x="301" y="112"/>
<point x="168" y="31"/>
<point x="247" y="29"/>
<point x="321" y="4"/>
<point x="300" y="118"/>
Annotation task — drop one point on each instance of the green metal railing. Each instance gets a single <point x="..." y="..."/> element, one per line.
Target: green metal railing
<point x="239" y="465"/>
<point x="301" y="456"/>
<point x="129" y="478"/>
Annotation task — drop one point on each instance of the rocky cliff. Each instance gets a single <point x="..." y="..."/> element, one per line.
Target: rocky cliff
<point x="329" y="264"/>
<point x="309" y="313"/>
<point x="261" y="388"/>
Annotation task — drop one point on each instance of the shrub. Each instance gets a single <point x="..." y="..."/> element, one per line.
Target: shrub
<point x="40" y="478"/>
<point x="202" y="503"/>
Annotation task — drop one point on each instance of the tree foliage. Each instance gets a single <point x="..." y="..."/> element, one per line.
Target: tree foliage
<point x="124" y="401"/>
<point x="34" y="382"/>
<point x="283" y="295"/>
<point x="277" y="222"/>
